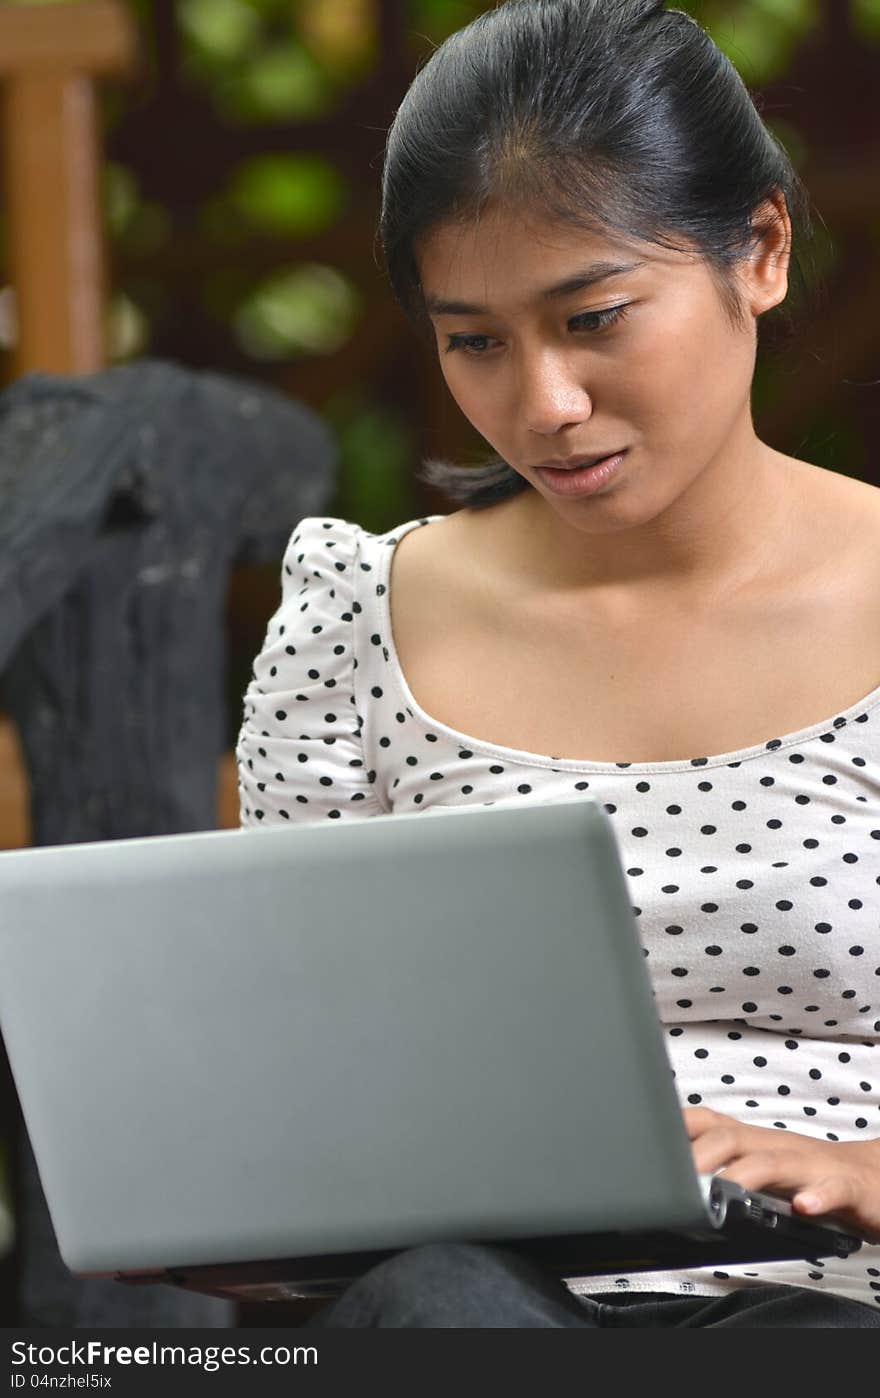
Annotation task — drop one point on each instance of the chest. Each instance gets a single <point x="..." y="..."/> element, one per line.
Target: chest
<point x="657" y="689"/>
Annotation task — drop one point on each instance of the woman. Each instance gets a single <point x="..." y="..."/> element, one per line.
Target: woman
<point x="583" y="208"/>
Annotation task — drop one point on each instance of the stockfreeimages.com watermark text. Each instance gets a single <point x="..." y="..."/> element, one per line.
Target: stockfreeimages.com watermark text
<point x="33" y="1364"/>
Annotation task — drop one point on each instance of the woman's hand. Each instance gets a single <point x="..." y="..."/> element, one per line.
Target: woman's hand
<point x="819" y="1177"/>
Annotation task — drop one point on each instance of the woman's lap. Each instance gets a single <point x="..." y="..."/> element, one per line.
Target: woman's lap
<point x="469" y="1286"/>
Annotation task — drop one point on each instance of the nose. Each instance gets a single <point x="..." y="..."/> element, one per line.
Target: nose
<point x="551" y="397"/>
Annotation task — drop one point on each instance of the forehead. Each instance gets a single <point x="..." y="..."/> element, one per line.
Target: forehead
<point x="504" y="257"/>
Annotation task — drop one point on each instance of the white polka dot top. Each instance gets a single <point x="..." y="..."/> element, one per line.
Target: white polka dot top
<point x="753" y="875"/>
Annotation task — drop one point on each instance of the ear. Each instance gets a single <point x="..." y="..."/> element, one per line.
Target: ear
<point x="765" y="274"/>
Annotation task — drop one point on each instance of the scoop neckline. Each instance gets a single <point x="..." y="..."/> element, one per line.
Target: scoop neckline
<point x="563" y="764"/>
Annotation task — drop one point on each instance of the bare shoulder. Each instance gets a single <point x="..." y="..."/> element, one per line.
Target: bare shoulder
<point x="842" y="493"/>
<point x="443" y="590"/>
<point x="426" y="583"/>
<point x="833" y="566"/>
<point x="443" y="555"/>
<point x="841" y="516"/>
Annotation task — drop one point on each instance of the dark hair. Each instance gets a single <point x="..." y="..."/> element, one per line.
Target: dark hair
<point x="616" y="116"/>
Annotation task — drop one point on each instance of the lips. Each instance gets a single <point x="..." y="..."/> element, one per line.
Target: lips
<point x="577" y="463"/>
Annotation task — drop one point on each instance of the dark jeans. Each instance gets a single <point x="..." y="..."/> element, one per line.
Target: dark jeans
<point x="467" y="1286"/>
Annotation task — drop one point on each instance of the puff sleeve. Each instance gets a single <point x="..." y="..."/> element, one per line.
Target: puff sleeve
<point x="299" y="751"/>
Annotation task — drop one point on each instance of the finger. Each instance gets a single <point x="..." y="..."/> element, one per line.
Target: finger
<point x="699" y="1120"/>
<point x="827" y="1195"/>
<point x="778" y="1172"/>
<point x="721" y="1146"/>
<point x="840" y="1198"/>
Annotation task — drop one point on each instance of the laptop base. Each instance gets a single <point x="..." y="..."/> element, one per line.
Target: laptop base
<point x="745" y="1239"/>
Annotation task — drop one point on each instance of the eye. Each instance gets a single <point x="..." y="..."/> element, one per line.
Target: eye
<point x="611" y="316"/>
<point x="471" y="344"/>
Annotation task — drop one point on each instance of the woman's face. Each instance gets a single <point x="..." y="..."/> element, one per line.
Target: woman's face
<point x="547" y="361"/>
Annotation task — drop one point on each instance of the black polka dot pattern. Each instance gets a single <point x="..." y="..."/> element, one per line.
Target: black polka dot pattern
<point x="300" y="753"/>
<point x="753" y="875"/>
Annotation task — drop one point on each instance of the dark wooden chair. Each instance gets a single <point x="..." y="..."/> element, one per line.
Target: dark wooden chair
<point x="126" y="498"/>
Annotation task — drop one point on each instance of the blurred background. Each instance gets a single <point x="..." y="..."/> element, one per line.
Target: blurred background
<point x="223" y="159"/>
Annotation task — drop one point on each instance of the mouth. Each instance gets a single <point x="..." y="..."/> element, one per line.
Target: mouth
<point x="582" y="475"/>
<point x="577" y="463"/>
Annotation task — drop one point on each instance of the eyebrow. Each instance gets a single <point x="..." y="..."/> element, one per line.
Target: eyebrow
<point x="587" y="276"/>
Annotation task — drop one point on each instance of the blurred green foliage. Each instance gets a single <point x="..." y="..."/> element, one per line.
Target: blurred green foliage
<point x="866" y="19"/>
<point x="126" y="328"/>
<point x="140" y="225"/>
<point x="377" y="446"/>
<point x="219" y="31"/>
<point x="436" y="19"/>
<point x="758" y="36"/>
<point x="289" y="195"/>
<point x="281" y="82"/>
<point x="298" y="310"/>
<point x="252" y="62"/>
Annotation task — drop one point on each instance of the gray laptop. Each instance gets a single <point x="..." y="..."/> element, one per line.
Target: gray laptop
<point x="256" y="1062"/>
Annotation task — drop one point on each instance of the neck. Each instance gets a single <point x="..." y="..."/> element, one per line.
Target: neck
<point x="721" y="535"/>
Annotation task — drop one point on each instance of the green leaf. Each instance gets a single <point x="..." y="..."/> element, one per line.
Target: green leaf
<point x="310" y="309"/>
<point x="759" y="36"/>
<point x="437" y="19"/>
<point x="376" y="457"/>
<point x="282" y="82"/>
<point x="219" y="30"/>
<point x="141" y="224"/>
<point x="866" y="19"/>
<point x="126" y="329"/>
<point x="120" y="194"/>
<point x="291" y="195"/>
<point x="796" y="14"/>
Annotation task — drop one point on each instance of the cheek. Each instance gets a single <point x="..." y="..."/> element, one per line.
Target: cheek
<point x="688" y="373"/>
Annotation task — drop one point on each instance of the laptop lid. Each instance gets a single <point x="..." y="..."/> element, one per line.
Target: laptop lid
<point x="268" y="1044"/>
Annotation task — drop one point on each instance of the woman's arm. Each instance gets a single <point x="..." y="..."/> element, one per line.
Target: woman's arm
<point x="300" y="753"/>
